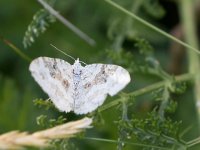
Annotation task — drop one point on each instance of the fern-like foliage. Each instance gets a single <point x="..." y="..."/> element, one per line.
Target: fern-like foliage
<point x="41" y="20"/>
<point x="154" y="130"/>
<point x="47" y="104"/>
<point x="157" y="131"/>
<point x="142" y="62"/>
<point x="46" y="122"/>
<point x="66" y="144"/>
<point x="122" y="28"/>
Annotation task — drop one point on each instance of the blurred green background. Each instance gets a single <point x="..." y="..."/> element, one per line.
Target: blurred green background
<point x="106" y="26"/>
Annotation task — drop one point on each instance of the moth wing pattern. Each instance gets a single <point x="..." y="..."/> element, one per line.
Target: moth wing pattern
<point x="55" y="78"/>
<point x="99" y="80"/>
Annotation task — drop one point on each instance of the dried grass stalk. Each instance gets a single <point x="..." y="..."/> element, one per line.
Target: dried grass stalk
<point x="18" y="140"/>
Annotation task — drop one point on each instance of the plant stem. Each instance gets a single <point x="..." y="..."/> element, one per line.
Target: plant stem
<point x="164" y="103"/>
<point x="189" y="28"/>
<point x="193" y="142"/>
<point x="126" y="25"/>
<point x="147" y="89"/>
<point x="132" y="15"/>
<point x="125" y="142"/>
<point x="81" y="34"/>
<point x="15" y="49"/>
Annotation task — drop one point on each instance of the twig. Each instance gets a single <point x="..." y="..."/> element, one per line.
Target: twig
<point x="18" y="140"/>
<point x="67" y="23"/>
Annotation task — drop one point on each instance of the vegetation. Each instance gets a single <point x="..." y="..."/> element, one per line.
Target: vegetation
<point x="159" y="109"/>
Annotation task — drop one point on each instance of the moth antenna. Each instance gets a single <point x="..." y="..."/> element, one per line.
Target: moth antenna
<point x="63" y="52"/>
<point x="83" y="62"/>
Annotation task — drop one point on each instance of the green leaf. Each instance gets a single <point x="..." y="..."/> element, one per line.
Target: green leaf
<point x="41" y="21"/>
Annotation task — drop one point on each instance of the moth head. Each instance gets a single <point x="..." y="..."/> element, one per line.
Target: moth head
<point x="77" y="67"/>
<point x="77" y="63"/>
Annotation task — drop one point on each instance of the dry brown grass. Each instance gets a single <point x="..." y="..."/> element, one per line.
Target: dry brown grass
<point x="17" y="140"/>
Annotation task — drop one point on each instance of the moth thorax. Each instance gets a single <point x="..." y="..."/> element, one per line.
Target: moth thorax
<point x="77" y="69"/>
<point x="77" y="72"/>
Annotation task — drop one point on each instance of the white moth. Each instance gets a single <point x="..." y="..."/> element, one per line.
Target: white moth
<point x="78" y="88"/>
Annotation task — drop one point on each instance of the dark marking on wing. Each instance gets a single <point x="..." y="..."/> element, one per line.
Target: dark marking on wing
<point x="87" y="85"/>
<point x="65" y="83"/>
<point x="55" y="72"/>
<point x="102" y="76"/>
<point x="53" y="68"/>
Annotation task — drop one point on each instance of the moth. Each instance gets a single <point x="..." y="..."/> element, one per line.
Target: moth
<point x="78" y="88"/>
